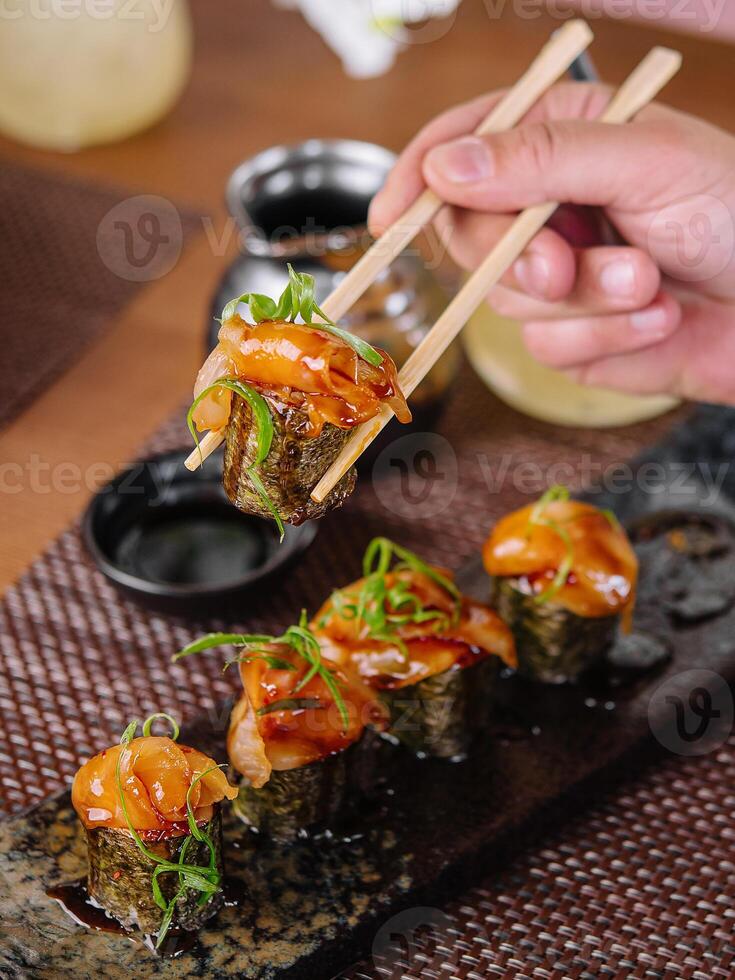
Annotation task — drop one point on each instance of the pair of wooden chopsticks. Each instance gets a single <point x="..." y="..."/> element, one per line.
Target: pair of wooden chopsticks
<point x="556" y="56"/>
<point x="549" y="65"/>
<point x="645" y="82"/>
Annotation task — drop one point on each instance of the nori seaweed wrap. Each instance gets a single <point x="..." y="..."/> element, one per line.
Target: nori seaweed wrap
<point x="554" y="644"/>
<point x="309" y="798"/>
<point x="300" y="388"/>
<point x="151" y="812"/>
<point x="430" y="654"/>
<point x="299" y="736"/>
<point x="563" y="577"/>
<point x="292" y="467"/>
<point x="440" y="715"/>
<point x="120" y="875"/>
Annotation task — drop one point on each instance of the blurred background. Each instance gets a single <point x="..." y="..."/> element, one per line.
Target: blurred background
<point x="122" y="124"/>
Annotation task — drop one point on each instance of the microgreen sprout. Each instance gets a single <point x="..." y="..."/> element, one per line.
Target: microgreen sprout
<point x="263" y="434"/>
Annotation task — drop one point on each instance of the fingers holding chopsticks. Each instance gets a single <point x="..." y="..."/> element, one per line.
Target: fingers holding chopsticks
<point x="406" y="180"/>
<point x="552" y="279"/>
<point x="567" y="343"/>
<point x="605" y="281"/>
<point x="695" y="361"/>
<point x="547" y="269"/>
<point x="572" y="160"/>
<point x="642" y="85"/>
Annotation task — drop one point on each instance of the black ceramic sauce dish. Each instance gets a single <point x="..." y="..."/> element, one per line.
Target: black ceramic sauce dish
<point x="171" y="539"/>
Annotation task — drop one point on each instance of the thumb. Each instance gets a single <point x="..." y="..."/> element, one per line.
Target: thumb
<point x="572" y="161"/>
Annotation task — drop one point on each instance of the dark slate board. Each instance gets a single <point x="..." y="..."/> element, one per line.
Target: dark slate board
<point x="308" y="910"/>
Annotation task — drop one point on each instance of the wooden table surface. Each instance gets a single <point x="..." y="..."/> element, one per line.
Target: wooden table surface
<point x="260" y="77"/>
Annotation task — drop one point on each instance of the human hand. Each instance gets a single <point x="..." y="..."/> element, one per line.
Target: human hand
<point x="655" y="315"/>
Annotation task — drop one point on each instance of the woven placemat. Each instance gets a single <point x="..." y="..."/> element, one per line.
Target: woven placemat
<point x="77" y="660"/>
<point x="640" y="886"/>
<point x="71" y="256"/>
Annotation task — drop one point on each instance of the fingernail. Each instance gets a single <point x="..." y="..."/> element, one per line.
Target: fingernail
<point x="618" y="278"/>
<point x="649" y="321"/>
<point x="372" y="218"/>
<point x="463" y="161"/>
<point x="533" y="273"/>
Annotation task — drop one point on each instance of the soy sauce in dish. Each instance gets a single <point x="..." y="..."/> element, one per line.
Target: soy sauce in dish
<point x="189" y="545"/>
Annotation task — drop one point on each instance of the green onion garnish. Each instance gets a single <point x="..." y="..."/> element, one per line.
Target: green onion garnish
<point x="298" y="299"/>
<point x="612" y="519"/>
<point x="149" y="722"/>
<point x="263" y="434"/>
<point x="380" y="611"/>
<point x="255" y="643"/>
<point x="202" y="878"/>
<point x="537" y="518"/>
<point x="258" y="646"/>
<point x="551" y="496"/>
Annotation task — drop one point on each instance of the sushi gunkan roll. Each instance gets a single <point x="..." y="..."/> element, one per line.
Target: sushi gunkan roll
<point x="151" y="812"/>
<point x="563" y="578"/>
<point x="288" y="395"/>
<point x="430" y="654"/>
<point x="299" y="736"/>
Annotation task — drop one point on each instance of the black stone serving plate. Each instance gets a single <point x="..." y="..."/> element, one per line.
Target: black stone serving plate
<point x="430" y="828"/>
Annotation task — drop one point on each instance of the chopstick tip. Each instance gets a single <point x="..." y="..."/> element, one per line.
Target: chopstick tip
<point x="669" y="54"/>
<point x="576" y="29"/>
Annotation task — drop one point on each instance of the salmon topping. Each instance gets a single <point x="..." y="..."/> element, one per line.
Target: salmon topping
<point x="300" y="366"/>
<point x="280" y="724"/>
<point x="155" y="775"/>
<point x="448" y="633"/>
<point x="602" y="568"/>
